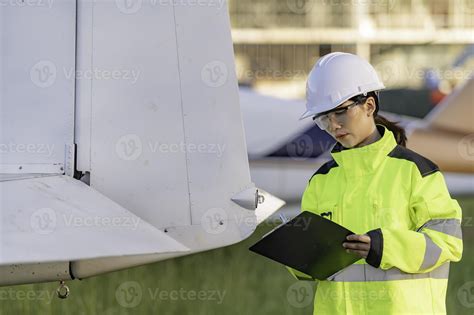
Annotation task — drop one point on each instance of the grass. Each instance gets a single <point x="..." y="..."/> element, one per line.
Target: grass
<point x="229" y="280"/>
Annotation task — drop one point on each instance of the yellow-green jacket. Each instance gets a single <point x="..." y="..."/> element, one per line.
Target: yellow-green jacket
<point x="399" y="198"/>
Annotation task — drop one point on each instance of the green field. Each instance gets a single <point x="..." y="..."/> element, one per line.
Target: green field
<point x="230" y="280"/>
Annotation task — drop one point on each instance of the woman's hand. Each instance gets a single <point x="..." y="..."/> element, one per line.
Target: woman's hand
<point x="360" y="244"/>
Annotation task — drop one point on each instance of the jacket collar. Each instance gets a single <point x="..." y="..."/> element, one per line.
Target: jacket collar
<point x="366" y="159"/>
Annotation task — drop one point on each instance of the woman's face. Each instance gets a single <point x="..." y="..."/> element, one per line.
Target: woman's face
<point x="354" y="125"/>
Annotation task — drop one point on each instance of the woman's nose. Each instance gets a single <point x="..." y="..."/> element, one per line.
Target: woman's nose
<point x="333" y="124"/>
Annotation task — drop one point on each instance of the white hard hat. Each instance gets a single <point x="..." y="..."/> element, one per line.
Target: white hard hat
<point x="337" y="77"/>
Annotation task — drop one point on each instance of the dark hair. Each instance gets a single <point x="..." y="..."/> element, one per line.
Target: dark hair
<point x="398" y="131"/>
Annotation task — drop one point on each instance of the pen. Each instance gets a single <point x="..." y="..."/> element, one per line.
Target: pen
<point x="283" y="218"/>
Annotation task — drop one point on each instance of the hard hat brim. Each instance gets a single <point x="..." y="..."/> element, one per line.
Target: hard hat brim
<point x="307" y="114"/>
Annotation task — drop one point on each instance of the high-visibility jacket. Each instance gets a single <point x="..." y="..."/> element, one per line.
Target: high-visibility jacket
<point x="400" y="199"/>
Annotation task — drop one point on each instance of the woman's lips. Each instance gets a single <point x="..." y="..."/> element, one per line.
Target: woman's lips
<point x="341" y="136"/>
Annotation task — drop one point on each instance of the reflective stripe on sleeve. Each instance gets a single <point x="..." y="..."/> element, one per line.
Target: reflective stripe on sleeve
<point x="432" y="253"/>
<point x="365" y="272"/>
<point x="447" y="226"/>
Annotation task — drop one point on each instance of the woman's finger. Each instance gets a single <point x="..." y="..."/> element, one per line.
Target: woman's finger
<point x="360" y="246"/>
<point x="360" y="238"/>
<point x="361" y="253"/>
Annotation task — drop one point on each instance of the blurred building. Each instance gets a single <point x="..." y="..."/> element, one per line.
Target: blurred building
<point x="412" y="43"/>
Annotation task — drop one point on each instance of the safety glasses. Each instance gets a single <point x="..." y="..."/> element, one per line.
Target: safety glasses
<point x="340" y="114"/>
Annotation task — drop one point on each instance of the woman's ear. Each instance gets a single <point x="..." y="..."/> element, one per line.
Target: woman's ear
<point x="371" y="106"/>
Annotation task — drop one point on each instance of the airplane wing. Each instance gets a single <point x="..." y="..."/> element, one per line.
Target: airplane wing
<point x="283" y="114"/>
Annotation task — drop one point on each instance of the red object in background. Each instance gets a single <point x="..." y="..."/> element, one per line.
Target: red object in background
<point x="436" y="96"/>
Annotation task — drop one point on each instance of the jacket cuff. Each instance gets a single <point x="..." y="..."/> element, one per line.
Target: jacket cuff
<point x="376" y="248"/>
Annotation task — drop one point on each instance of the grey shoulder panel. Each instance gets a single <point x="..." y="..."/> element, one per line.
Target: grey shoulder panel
<point x="325" y="168"/>
<point x="424" y="165"/>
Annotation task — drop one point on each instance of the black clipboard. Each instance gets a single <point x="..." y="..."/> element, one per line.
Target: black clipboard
<point x="308" y="243"/>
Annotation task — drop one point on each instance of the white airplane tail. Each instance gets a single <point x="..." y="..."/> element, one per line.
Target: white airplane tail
<point x="448" y="126"/>
<point x="144" y="101"/>
<point x="455" y="113"/>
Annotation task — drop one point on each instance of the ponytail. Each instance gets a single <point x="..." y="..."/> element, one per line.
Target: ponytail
<point x="398" y="131"/>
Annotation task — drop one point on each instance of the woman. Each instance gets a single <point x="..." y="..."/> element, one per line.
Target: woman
<point x="395" y="200"/>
